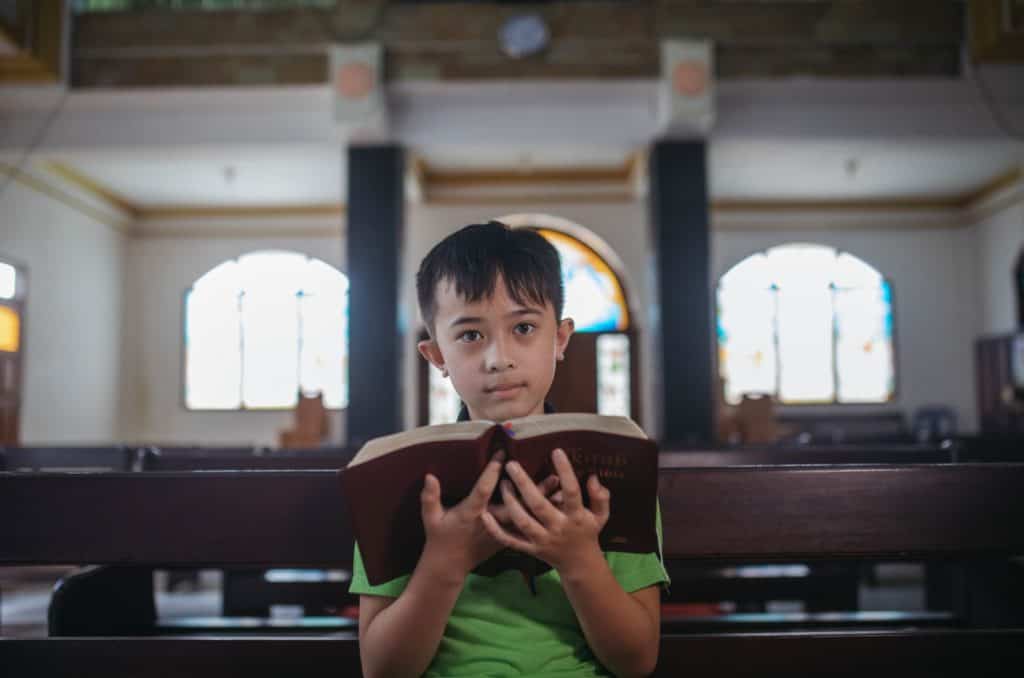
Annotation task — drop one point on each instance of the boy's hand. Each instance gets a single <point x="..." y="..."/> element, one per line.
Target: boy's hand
<point x="457" y="540"/>
<point x="560" y="536"/>
<point x="550" y="487"/>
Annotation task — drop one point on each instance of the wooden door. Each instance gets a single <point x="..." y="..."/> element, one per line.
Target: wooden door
<point x="1000" y="402"/>
<point x="577" y="379"/>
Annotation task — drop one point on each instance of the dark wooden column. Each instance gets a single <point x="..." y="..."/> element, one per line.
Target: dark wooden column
<point x="681" y="240"/>
<point x="376" y="218"/>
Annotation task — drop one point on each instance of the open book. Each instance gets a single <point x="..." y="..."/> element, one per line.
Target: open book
<point x="382" y="483"/>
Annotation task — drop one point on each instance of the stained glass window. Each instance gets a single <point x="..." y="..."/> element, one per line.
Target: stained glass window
<point x="613" y="374"/>
<point x="593" y="294"/>
<point x="10" y="329"/>
<point x="807" y="324"/>
<point x="263" y="326"/>
<point x="444" y="400"/>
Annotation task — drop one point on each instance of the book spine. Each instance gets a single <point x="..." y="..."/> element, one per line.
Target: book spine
<point x="492" y="441"/>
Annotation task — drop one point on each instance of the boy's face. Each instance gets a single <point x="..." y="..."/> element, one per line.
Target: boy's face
<point x="499" y="354"/>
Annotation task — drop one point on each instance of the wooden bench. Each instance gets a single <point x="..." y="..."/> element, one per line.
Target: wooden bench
<point x="874" y="428"/>
<point x="243" y="459"/>
<point x="968" y="512"/>
<point x="77" y="459"/>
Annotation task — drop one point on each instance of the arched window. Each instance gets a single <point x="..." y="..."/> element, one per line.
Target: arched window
<point x="595" y="300"/>
<point x="593" y="293"/>
<point x="807" y="324"/>
<point x="260" y="328"/>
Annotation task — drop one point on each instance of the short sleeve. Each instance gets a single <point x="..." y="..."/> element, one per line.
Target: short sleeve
<point x="361" y="586"/>
<point x="635" y="571"/>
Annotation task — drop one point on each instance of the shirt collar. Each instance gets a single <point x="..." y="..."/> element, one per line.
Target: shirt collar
<point x="464" y="411"/>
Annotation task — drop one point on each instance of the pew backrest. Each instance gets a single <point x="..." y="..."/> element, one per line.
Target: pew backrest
<point x="70" y="459"/>
<point x="297" y="518"/>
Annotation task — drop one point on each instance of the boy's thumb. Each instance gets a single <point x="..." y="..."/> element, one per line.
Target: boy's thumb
<point x="430" y="497"/>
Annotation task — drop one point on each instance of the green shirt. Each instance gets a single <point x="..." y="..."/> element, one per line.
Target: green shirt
<point x="498" y="628"/>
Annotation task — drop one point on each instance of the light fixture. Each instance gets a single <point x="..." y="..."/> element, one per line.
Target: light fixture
<point x="523" y="35"/>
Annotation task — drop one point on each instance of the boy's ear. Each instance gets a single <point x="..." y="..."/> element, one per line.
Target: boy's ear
<point x="565" y="330"/>
<point x="429" y="350"/>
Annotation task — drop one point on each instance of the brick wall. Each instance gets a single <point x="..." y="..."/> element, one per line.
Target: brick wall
<point x="458" y="40"/>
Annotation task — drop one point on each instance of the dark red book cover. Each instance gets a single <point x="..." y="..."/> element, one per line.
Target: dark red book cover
<point x="383" y="493"/>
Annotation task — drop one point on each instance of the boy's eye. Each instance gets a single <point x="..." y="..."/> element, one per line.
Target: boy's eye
<point x="525" y="328"/>
<point x="468" y="336"/>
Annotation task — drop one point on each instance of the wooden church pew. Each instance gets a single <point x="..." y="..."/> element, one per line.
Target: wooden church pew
<point x="214" y="458"/>
<point x="295" y="518"/>
<point x="785" y="514"/>
<point x="246" y="591"/>
<point x="928" y="653"/>
<point x="781" y="455"/>
<point x="72" y="458"/>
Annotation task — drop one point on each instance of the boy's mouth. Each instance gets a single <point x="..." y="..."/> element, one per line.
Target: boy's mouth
<point x="504" y="389"/>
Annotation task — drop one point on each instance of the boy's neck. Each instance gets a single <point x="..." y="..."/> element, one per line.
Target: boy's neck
<point x="464" y="411"/>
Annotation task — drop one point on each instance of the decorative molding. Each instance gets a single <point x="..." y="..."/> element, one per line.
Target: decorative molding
<point x="1001" y="194"/>
<point x="616" y="197"/>
<point x="66" y="199"/>
<point x="472" y="178"/>
<point x="991" y="188"/>
<point x="92" y="187"/>
<point x="839" y="222"/>
<point x="222" y="233"/>
<point x="239" y="211"/>
<point x="613" y="184"/>
<point x="900" y="204"/>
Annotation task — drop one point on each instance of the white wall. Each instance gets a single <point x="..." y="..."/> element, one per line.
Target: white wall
<point x="1000" y="241"/>
<point x="160" y="270"/>
<point x="72" y="331"/>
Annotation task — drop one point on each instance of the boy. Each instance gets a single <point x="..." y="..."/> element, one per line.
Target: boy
<point x="492" y="299"/>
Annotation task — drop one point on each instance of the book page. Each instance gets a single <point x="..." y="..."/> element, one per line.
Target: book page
<point x="542" y="424"/>
<point x="378" y="447"/>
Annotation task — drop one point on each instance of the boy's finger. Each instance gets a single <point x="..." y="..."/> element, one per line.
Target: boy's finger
<point x="519" y="516"/>
<point x="430" y="499"/>
<point x="548" y="485"/>
<point x="532" y="496"/>
<point x="600" y="499"/>
<point x="499" y="512"/>
<point x="572" y="497"/>
<point x="504" y="537"/>
<point x="484" y="488"/>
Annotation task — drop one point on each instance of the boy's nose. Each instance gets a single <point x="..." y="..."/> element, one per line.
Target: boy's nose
<point x="498" y="359"/>
<point x="497" y="366"/>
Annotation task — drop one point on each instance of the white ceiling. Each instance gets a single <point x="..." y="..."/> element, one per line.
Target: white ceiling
<point x="773" y="140"/>
<point x="248" y="177"/>
<point x="738" y="170"/>
<point x="825" y="170"/>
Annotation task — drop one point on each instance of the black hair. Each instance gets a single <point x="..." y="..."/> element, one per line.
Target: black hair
<point x="472" y="257"/>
